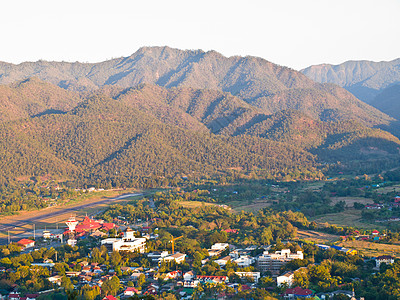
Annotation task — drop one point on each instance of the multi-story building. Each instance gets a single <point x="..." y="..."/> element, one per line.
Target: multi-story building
<point x="274" y="261"/>
<point x="128" y="243"/>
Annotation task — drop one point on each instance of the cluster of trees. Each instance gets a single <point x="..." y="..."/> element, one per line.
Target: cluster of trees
<point x="33" y="194"/>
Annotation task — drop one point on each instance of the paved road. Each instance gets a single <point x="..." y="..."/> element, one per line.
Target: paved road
<point x="33" y="219"/>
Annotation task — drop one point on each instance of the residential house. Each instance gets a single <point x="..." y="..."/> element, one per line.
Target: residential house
<point x="298" y="292"/>
<point x="217" y="249"/>
<point x="255" y="276"/>
<point x="178" y="257"/>
<point x="26" y="243"/>
<point x="188" y="276"/>
<point x="222" y="261"/>
<point x="130" y="291"/>
<point x="387" y="259"/>
<point x="286" y="278"/>
<point x="245" y="261"/>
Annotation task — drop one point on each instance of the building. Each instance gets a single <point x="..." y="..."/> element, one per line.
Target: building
<point x="223" y="261"/>
<point x="55" y="279"/>
<point x="177" y="257"/>
<point x="157" y="256"/>
<point x="286" y="278"/>
<point x="188" y="276"/>
<point x="274" y="261"/>
<point x="217" y="249"/>
<point x="387" y="259"/>
<point x="26" y="243"/>
<point x="298" y="292"/>
<point x="130" y="291"/>
<point x="255" y="276"/>
<point x="46" y="234"/>
<point x="128" y="243"/>
<point x="213" y="279"/>
<point x="244" y="261"/>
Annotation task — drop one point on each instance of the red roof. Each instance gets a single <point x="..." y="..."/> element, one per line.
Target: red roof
<point x="375" y="231"/>
<point x="108" y="226"/>
<point x="88" y="224"/>
<point x="131" y="289"/>
<point x="298" y="291"/>
<point x="25" y="242"/>
<point x="109" y="297"/>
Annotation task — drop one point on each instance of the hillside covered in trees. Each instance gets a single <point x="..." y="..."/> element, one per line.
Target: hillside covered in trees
<point x="144" y="135"/>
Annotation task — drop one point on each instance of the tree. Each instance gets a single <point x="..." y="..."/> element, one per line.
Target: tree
<point x="141" y="280"/>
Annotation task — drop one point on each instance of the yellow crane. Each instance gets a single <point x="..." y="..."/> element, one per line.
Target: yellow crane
<point x="173" y="244"/>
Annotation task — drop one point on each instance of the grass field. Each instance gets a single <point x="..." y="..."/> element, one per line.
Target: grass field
<point x="350" y="217"/>
<point x="194" y="204"/>
<point x="317" y="237"/>
<point x="388" y="189"/>
<point x="351" y="200"/>
<point x="372" y="249"/>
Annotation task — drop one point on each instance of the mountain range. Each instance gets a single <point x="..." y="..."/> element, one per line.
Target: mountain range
<point x="165" y="112"/>
<point x="375" y="83"/>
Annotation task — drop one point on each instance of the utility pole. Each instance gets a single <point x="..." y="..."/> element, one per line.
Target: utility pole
<point x="34" y="231"/>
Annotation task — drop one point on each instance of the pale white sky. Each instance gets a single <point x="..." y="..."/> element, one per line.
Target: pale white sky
<point x="293" y="33"/>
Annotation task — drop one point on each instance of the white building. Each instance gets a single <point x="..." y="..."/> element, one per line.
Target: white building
<point x="177" y="257"/>
<point x="255" y="276"/>
<point x="217" y="249"/>
<point x="274" y="261"/>
<point x="244" y="261"/>
<point x="286" y="278"/>
<point x="223" y="261"/>
<point x="387" y="259"/>
<point x="188" y="276"/>
<point x="128" y="243"/>
<point x="157" y="256"/>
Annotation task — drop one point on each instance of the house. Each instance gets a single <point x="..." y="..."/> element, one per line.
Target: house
<point x="255" y="276"/>
<point x="157" y="256"/>
<point x="286" y="278"/>
<point x="177" y="257"/>
<point x="55" y="279"/>
<point x="173" y="275"/>
<point x="387" y="259"/>
<point x="26" y="243"/>
<point x="244" y="261"/>
<point x="217" y="249"/>
<point x="14" y="296"/>
<point x="375" y="232"/>
<point x="188" y="276"/>
<point x="130" y="291"/>
<point x="298" y="292"/>
<point x="222" y="261"/>
<point x="31" y="296"/>
<point x="109" y="297"/>
<point x="213" y="279"/>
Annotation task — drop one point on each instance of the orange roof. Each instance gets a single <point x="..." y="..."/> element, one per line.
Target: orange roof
<point x="25" y="242"/>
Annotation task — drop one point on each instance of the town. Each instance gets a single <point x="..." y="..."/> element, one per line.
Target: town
<point x="156" y="249"/>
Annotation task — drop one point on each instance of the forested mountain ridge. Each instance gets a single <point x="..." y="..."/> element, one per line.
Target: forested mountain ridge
<point x="364" y="79"/>
<point x="127" y="134"/>
<point x="262" y="84"/>
<point x="103" y="139"/>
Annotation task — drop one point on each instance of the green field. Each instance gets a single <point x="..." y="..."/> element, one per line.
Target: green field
<point x="350" y="217"/>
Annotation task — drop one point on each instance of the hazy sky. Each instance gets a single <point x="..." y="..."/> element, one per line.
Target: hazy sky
<point x="294" y="33"/>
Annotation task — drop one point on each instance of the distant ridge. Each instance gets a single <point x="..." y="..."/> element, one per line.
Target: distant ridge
<point x="262" y="84"/>
<point x="365" y="79"/>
